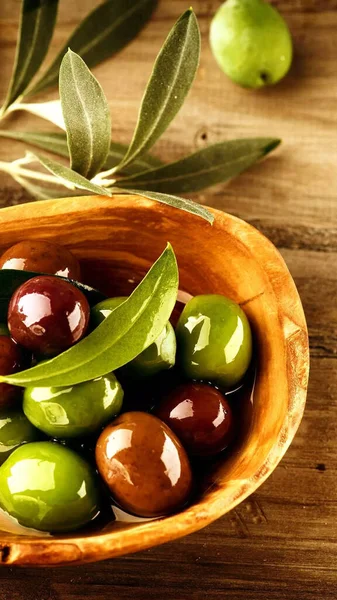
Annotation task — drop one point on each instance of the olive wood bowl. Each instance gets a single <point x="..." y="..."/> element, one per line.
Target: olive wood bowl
<point x="121" y="237"/>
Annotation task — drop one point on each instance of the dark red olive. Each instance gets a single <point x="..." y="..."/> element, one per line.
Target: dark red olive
<point x="200" y="417"/>
<point x="48" y="315"/>
<point x="41" y="256"/>
<point x="11" y="360"/>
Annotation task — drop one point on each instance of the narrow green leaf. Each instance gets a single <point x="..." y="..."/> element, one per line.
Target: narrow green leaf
<point x="36" y="28"/>
<point x="117" y="151"/>
<point x="86" y="115"/>
<point x="171" y="79"/>
<point x="56" y="143"/>
<point x="11" y="279"/>
<point x="40" y="192"/>
<point x="104" y="31"/>
<point x="52" y="141"/>
<point x="204" y="168"/>
<point x="70" y="176"/>
<point x="124" y="334"/>
<point x="181" y="203"/>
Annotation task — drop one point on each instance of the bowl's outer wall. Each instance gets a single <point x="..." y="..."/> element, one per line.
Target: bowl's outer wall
<point x="124" y="235"/>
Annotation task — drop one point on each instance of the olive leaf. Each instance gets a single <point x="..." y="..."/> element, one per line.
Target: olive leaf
<point x="11" y="279"/>
<point x="143" y="163"/>
<point x="56" y="142"/>
<point x="86" y="116"/>
<point x="70" y="176"/>
<point x="204" y="168"/>
<point x="182" y="203"/>
<point x="40" y="192"/>
<point x="171" y="79"/>
<point x="52" y="141"/>
<point x="104" y="31"/>
<point x="124" y="334"/>
<point x="36" y="28"/>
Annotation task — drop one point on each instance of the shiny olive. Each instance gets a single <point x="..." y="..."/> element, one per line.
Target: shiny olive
<point x="4" y="329"/>
<point x="48" y="315"/>
<point x="144" y="465"/>
<point x="43" y="257"/>
<point x="15" y="430"/>
<point x="157" y="357"/>
<point x="200" y="416"/>
<point x="11" y="360"/>
<point x="48" y="487"/>
<point x="214" y="340"/>
<point x="74" y="411"/>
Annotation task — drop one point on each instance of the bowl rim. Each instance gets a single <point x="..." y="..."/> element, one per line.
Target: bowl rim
<point x="50" y="551"/>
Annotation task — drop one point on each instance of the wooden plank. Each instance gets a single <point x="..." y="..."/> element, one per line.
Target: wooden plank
<point x="281" y="543"/>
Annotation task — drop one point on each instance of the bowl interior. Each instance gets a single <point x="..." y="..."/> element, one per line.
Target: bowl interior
<point x="117" y="240"/>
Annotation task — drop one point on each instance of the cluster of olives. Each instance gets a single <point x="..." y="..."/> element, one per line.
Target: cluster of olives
<point x="142" y="455"/>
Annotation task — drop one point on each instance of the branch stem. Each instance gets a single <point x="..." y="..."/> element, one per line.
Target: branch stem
<point x="16" y="169"/>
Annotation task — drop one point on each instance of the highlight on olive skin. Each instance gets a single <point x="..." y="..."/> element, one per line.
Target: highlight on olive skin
<point x="76" y="436"/>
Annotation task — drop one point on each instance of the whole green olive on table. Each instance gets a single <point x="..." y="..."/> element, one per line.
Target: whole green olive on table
<point x="74" y="411"/>
<point x="214" y="340"/>
<point x="49" y="487"/>
<point x="251" y="42"/>
<point x="42" y="257"/>
<point x="160" y="355"/>
<point x="15" y="430"/>
<point x="144" y="465"/>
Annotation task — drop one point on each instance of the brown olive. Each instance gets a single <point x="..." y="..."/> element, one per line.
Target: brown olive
<point x="144" y="465"/>
<point x="200" y="416"/>
<point x="43" y="257"/>
<point x="48" y="315"/>
<point x="11" y="360"/>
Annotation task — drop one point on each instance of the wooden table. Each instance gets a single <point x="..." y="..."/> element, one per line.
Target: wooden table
<point x="281" y="543"/>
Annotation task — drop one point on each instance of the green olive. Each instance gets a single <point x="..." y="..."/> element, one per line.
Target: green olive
<point x="48" y="487"/>
<point x="4" y="329"/>
<point x="214" y="340"/>
<point x="74" y="411"/>
<point x="251" y="42"/>
<point x="15" y="430"/>
<point x="157" y="357"/>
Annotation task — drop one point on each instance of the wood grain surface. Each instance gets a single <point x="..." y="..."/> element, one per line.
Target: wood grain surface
<point x="281" y="543"/>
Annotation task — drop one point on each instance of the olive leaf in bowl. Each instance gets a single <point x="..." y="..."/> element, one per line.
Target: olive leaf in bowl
<point x="100" y="166"/>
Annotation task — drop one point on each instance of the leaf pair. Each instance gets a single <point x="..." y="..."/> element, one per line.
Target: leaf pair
<point x="105" y="31"/>
<point x="37" y="22"/>
<point x="87" y="119"/>
<point x="82" y="183"/>
<point x="85" y="109"/>
<point x="57" y="144"/>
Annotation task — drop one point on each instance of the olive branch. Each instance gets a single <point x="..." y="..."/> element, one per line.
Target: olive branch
<point x="96" y="163"/>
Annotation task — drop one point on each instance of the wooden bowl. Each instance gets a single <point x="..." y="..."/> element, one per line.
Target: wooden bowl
<point x="121" y="237"/>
